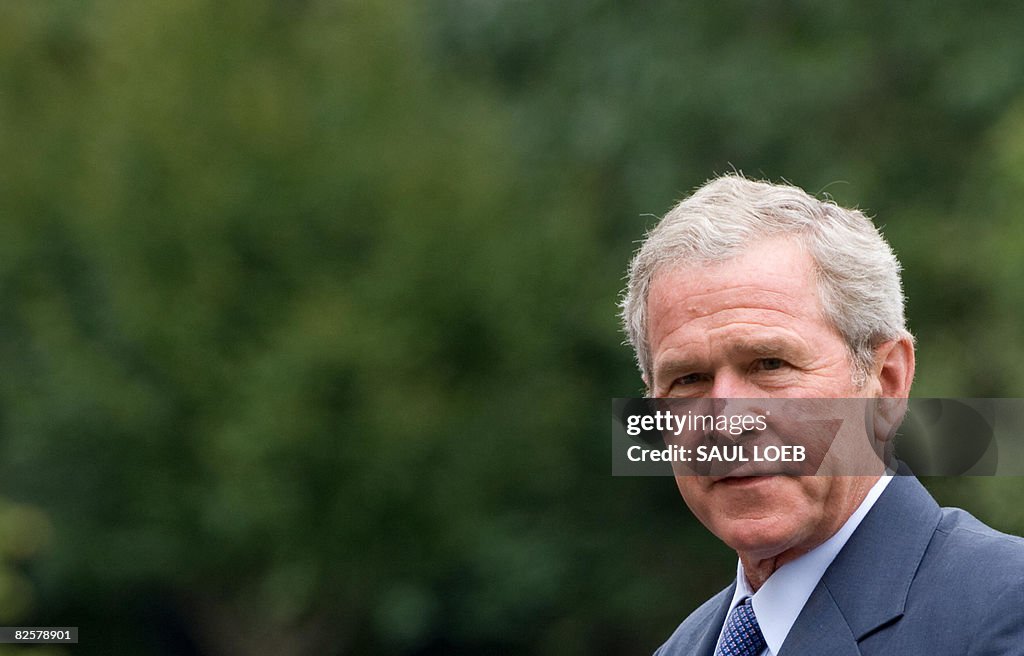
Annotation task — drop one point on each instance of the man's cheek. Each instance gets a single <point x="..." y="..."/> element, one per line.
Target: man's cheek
<point x="697" y="499"/>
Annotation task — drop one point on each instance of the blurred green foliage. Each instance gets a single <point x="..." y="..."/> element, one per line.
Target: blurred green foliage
<point x="308" y="308"/>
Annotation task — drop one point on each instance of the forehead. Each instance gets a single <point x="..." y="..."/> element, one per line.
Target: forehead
<point x="770" y="283"/>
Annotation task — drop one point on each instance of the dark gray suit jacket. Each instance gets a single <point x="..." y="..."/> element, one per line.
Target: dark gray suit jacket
<point x="913" y="579"/>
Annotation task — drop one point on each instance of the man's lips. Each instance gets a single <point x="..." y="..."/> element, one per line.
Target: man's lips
<point x="725" y="471"/>
<point x="739" y="481"/>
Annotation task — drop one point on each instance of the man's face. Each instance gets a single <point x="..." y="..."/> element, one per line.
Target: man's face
<point x="752" y="327"/>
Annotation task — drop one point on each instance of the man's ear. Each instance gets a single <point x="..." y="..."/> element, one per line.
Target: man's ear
<point x="894" y="371"/>
<point x="894" y="368"/>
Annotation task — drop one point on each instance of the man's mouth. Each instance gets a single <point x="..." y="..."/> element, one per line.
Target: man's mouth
<point x="741" y="481"/>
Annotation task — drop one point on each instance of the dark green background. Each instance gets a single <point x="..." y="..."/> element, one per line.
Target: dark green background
<point x="307" y="308"/>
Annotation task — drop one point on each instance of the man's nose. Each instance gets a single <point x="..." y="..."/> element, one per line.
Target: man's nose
<point x="730" y="385"/>
<point x="730" y="396"/>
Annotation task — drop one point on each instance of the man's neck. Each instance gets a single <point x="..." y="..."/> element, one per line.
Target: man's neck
<point x="758" y="571"/>
<point x="757" y="568"/>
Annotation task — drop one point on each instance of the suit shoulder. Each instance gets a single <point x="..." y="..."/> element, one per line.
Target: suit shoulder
<point x="979" y="550"/>
<point x="967" y="532"/>
<point x="688" y="633"/>
<point x="986" y="570"/>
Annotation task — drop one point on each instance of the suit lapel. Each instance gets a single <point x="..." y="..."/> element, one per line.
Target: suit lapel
<point x="706" y="641"/>
<point x="820" y="629"/>
<point x="866" y="586"/>
<point x="698" y="635"/>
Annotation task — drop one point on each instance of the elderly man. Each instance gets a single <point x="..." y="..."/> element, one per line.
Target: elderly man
<point x="750" y="290"/>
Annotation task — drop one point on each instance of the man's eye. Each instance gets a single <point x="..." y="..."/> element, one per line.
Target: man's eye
<point x="690" y="379"/>
<point x="770" y="364"/>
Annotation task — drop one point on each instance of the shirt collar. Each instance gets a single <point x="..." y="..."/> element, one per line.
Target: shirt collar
<point x="779" y="601"/>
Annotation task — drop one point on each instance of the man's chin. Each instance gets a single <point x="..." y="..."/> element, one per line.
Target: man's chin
<point x="758" y="539"/>
<point x="752" y="511"/>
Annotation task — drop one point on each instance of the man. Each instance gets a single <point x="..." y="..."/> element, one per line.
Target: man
<point x="749" y="290"/>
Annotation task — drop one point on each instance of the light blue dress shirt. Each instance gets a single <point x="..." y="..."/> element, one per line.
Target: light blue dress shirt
<point x="779" y="601"/>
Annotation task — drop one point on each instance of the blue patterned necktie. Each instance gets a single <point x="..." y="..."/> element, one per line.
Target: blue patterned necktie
<point x="742" y="636"/>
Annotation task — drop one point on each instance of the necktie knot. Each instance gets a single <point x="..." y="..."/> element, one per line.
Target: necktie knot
<point x="742" y="635"/>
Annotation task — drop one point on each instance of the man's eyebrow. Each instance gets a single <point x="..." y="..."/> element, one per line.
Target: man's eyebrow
<point x="764" y="347"/>
<point x="675" y="366"/>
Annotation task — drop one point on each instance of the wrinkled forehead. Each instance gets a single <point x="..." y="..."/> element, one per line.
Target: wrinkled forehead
<point x="775" y="273"/>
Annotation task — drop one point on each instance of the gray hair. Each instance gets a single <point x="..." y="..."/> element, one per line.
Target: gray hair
<point x="858" y="275"/>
